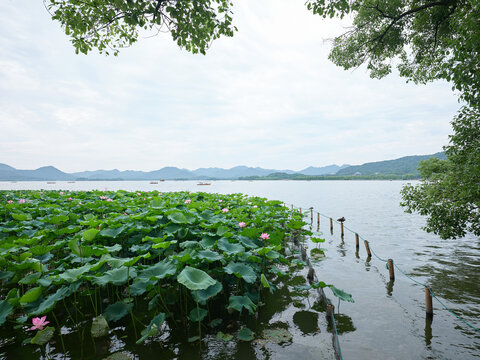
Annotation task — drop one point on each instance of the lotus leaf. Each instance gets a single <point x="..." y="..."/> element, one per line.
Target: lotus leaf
<point x="342" y="295"/>
<point x="117" y="311"/>
<point x="245" y="334"/>
<point x="227" y="247"/>
<point x="72" y="275"/>
<point x="195" y="279"/>
<point x="117" y="276"/>
<point x="112" y="232"/>
<point x="224" y="337"/>
<point x="264" y="281"/>
<point x="241" y="271"/>
<point x="277" y="336"/>
<point x="5" y="309"/>
<point x="177" y="218"/>
<point x="156" y="323"/>
<point x="240" y="302"/>
<point x="159" y="271"/>
<point x="199" y="315"/>
<point x="201" y="296"/>
<point x="49" y="303"/>
<point x="43" y="336"/>
<point x="31" y="295"/>
<point x="89" y="235"/>
<point x="208" y="255"/>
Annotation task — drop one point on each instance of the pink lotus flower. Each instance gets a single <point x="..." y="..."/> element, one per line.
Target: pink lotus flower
<point x="80" y="202"/>
<point x="255" y="206"/>
<point x="149" y="197"/>
<point x="39" y="323"/>
<point x="188" y="201"/>
<point x="242" y="224"/>
<point x="124" y="213"/>
<point x="139" y="194"/>
<point x="265" y="236"/>
<point x="70" y="198"/>
<point x="10" y="201"/>
<point x="220" y="201"/>
<point x="224" y="210"/>
<point x="103" y="197"/>
<point x="109" y="200"/>
<point x="249" y="203"/>
<point x="61" y="193"/>
<point x="21" y="201"/>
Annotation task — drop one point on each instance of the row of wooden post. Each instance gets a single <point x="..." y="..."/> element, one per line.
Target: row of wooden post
<point x="391" y="270"/>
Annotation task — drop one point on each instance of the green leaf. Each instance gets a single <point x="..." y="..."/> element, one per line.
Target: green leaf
<point x="43" y="336"/>
<point x="153" y="327"/>
<point x="264" y="281"/>
<point x="159" y="271"/>
<point x="229" y="248"/>
<point x="115" y="276"/>
<point x="49" y="303"/>
<point x="201" y="296"/>
<point x="117" y="311"/>
<point x="240" y="302"/>
<point x="177" y="218"/>
<point x="89" y="235"/>
<point x="58" y="219"/>
<point x="31" y="295"/>
<point x="112" y="232"/>
<point x="208" y="255"/>
<point x="241" y="270"/>
<point x="195" y="279"/>
<point x="215" y="323"/>
<point x="224" y="337"/>
<point x="199" y="315"/>
<point x="245" y="334"/>
<point x="342" y="295"/>
<point x="5" y="309"/>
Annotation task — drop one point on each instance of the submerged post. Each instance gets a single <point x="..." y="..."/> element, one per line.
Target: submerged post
<point x="331" y="225"/>
<point x="311" y="216"/>
<point x="428" y="302"/>
<point x="341" y="229"/>
<point x="368" y="249"/>
<point x="357" y="242"/>
<point x="300" y="210"/>
<point x="391" y="271"/>
<point x="318" y="220"/>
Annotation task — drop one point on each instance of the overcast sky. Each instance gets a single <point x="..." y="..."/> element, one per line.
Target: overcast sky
<point x="267" y="97"/>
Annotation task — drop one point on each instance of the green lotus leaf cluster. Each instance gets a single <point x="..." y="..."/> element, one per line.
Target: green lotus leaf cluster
<point x="101" y="257"/>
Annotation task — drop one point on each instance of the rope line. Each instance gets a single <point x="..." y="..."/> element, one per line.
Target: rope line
<point x="399" y="269"/>
<point x="336" y="334"/>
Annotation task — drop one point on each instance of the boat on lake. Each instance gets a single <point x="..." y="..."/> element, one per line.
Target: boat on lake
<point x="204" y="183"/>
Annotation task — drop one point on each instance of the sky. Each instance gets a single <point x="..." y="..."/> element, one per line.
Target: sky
<point x="267" y="97"/>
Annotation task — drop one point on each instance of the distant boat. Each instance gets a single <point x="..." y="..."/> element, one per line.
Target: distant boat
<point x="161" y="180"/>
<point x="13" y="182"/>
<point x="71" y="182"/>
<point x="204" y="183"/>
<point x="153" y="182"/>
<point x="51" y="182"/>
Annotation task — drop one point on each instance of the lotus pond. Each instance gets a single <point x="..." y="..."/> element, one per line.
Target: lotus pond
<point x="91" y="274"/>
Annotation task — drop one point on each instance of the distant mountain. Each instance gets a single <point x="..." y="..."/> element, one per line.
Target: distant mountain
<point x="8" y="173"/>
<point x="326" y="170"/>
<point x="401" y="166"/>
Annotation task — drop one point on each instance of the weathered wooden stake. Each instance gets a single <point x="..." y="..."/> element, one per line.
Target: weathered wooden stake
<point x="311" y="274"/>
<point x="391" y="270"/>
<point x="428" y="302"/>
<point x="331" y="225"/>
<point x="357" y="242"/>
<point x="292" y="207"/>
<point x="318" y="220"/>
<point x="341" y="229"/>
<point x="368" y="249"/>
<point x="304" y="253"/>
<point x="300" y="210"/>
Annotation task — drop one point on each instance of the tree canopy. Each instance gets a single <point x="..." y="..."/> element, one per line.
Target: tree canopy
<point x="109" y="25"/>
<point x="425" y="39"/>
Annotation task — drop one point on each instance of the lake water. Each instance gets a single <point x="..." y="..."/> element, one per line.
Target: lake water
<point x="387" y="321"/>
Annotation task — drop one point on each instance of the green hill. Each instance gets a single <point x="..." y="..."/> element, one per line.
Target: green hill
<point x="401" y="166"/>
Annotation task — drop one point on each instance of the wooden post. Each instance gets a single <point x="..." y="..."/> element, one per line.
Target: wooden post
<point x="428" y="302"/>
<point x="341" y="229"/>
<point x="292" y="206"/>
<point x="318" y="220"/>
<point x="331" y="225"/>
<point x="311" y="216"/>
<point x="311" y="274"/>
<point x="357" y="242"/>
<point x="304" y="253"/>
<point x="391" y="270"/>
<point x="300" y="210"/>
<point x="368" y="249"/>
<point x="330" y="311"/>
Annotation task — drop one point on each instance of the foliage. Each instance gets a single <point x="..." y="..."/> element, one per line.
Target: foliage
<point x="450" y="192"/>
<point x="149" y="255"/>
<point x="112" y="24"/>
<point x="426" y="39"/>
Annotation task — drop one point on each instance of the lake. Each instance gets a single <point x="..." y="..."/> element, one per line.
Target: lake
<point x="387" y="320"/>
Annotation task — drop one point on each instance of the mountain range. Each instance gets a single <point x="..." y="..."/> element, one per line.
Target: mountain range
<point x="405" y="165"/>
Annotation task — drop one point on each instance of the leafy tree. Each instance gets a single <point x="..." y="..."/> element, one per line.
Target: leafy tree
<point x="450" y="191"/>
<point x="112" y="24"/>
<point x="426" y="39"/>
